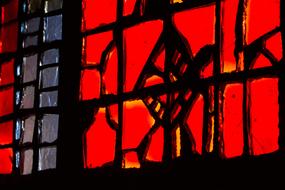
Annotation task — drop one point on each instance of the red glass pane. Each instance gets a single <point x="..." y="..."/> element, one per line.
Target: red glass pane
<point x="139" y="42"/>
<point x="6" y="101"/>
<point x="7" y="73"/>
<point x="195" y="122"/>
<point x="233" y="120"/>
<point x="208" y="71"/>
<point x="9" y="11"/>
<point x="6" y="158"/>
<point x="155" y="150"/>
<point x="154" y="80"/>
<point x="110" y="75"/>
<point x="137" y="121"/>
<point x="199" y="28"/>
<point x="261" y="62"/>
<point x="263" y="16"/>
<point x="98" y="12"/>
<point x="274" y="45"/>
<point x="228" y="43"/>
<point x="264" y="115"/>
<point x="90" y="84"/>
<point x="95" y="45"/>
<point x="100" y="142"/>
<point x="131" y="160"/>
<point x="159" y="63"/>
<point x="129" y="6"/>
<point x="6" y="133"/>
<point x="8" y="38"/>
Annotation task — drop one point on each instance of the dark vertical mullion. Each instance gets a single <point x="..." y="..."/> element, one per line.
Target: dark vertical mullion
<point x="217" y="71"/>
<point x="118" y="36"/>
<point x="37" y="95"/>
<point x="282" y="82"/>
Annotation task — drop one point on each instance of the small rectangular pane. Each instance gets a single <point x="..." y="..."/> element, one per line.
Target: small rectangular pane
<point x="28" y="97"/>
<point x="52" y="28"/>
<point x="9" y="11"/>
<point x="52" y="5"/>
<point x="6" y="101"/>
<point x="30" y="41"/>
<point x="6" y="157"/>
<point x="6" y="133"/>
<point x="48" y="99"/>
<point x="31" y="25"/>
<point x="50" y="56"/>
<point x="8" y="38"/>
<point x="28" y="130"/>
<point x="47" y="158"/>
<point x="30" y="68"/>
<point x="34" y="6"/>
<point x="49" y="77"/>
<point x="49" y="128"/>
<point x="7" y="72"/>
<point x="27" y="162"/>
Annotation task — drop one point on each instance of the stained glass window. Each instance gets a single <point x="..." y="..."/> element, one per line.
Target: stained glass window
<point x="31" y="33"/>
<point x="169" y="79"/>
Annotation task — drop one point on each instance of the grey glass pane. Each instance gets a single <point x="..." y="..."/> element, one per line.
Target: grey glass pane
<point x="48" y="99"/>
<point x="49" y="128"/>
<point x="30" y="68"/>
<point x="28" y="97"/>
<point x="34" y="6"/>
<point x="47" y="158"/>
<point x="32" y="25"/>
<point x="49" y="77"/>
<point x="27" y="162"/>
<point x="52" y="28"/>
<point x="30" y="41"/>
<point x="50" y="56"/>
<point x="28" y="130"/>
<point x="51" y="5"/>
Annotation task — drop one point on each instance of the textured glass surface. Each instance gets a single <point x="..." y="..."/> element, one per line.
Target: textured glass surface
<point x="28" y="130"/>
<point x="47" y="158"/>
<point x="49" y="77"/>
<point x="30" y="68"/>
<point x="27" y="162"/>
<point x="48" y="99"/>
<point x="50" y="56"/>
<point x="49" y="128"/>
<point x="52" y="28"/>
<point x="28" y="97"/>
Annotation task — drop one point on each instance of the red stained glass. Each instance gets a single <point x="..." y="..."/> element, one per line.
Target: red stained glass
<point x="7" y="73"/>
<point x="195" y="122"/>
<point x="6" y="101"/>
<point x="159" y="63"/>
<point x="110" y="75"/>
<point x="198" y="32"/>
<point x="131" y="160"/>
<point x="8" y="38"/>
<point x="139" y="48"/>
<point x="100" y="142"/>
<point x="90" y="84"/>
<point x="137" y="122"/>
<point x="98" y="12"/>
<point x="263" y="16"/>
<point x="6" y="133"/>
<point x="155" y="150"/>
<point x="154" y="80"/>
<point x="264" y="115"/>
<point x="208" y="71"/>
<point x="228" y="43"/>
<point x="6" y="158"/>
<point x="95" y="45"/>
<point x="9" y="11"/>
<point x="233" y="120"/>
<point x="129" y="6"/>
<point x="274" y="45"/>
<point x="261" y="62"/>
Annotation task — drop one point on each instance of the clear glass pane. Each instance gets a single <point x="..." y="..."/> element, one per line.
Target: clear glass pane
<point x="52" y="5"/>
<point x="52" y="28"/>
<point x="47" y="158"/>
<point x="50" y="56"/>
<point x="28" y="97"/>
<point x="28" y="130"/>
<point x="31" y="25"/>
<point x="48" y="99"/>
<point x="30" y="41"/>
<point x="49" y="77"/>
<point x="30" y="68"/>
<point x="49" y="128"/>
<point x="27" y="162"/>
